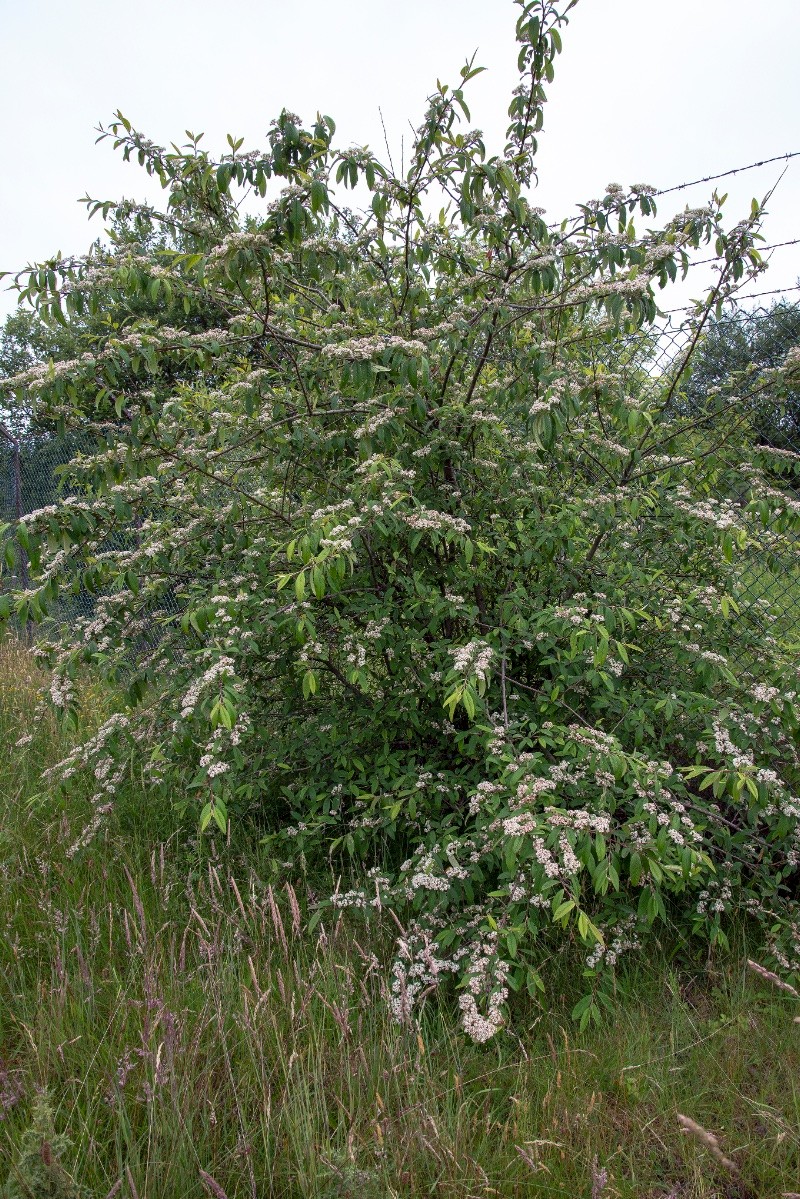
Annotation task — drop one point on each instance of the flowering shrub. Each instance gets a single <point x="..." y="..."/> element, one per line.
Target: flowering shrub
<point x="402" y="548"/>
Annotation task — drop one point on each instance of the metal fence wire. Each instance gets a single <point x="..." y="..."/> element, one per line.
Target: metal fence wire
<point x="727" y="405"/>
<point x="34" y="473"/>
<point x="32" y="476"/>
<point x="722" y="405"/>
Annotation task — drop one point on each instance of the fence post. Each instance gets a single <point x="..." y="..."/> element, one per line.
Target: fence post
<point x="16" y="487"/>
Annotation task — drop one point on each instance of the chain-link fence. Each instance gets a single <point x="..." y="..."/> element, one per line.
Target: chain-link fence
<point x="728" y="406"/>
<point x="708" y="379"/>
<point x="725" y="406"/>
<point x="33" y="471"/>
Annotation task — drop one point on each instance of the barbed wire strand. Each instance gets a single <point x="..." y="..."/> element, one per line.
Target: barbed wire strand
<point x="761" y="249"/>
<point x="677" y="187"/>
<point x="665" y="191"/>
<point x="753" y="295"/>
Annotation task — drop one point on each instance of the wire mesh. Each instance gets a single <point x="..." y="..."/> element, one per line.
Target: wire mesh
<point x="725" y="403"/>
<point x="722" y="405"/>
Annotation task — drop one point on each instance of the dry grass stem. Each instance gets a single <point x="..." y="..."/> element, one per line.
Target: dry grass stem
<point x="775" y="979"/>
<point x="708" y="1141"/>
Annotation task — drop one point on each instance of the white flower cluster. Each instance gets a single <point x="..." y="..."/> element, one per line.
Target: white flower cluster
<point x="726" y="748"/>
<point x="374" y="423"/>
<point x="486" y="975"/>
<point x="222" y="668"/>
<point x="338" y="537"/>
<point x="518" y="825"/>
<point x="546" y="405"/>
<point x="457" y="601"/>
<point x="439" y="522"/>
<point x="482" y="793"/>
<point x="234" y="242"/>
<point x="790" y="455"/>
<point x="545" y="858"/>
<point x="624" y="938"/>
<point x="364" y="348"/>
<point x="417" y="968"/>
<point x="715" y="899"/>
<point x="593" y="739"/>
<point x="474" y="658"/>
<point x="107" y="769"/>
<point x="354" y="652"/>
<point x="720" y="513"/>
<point x="332" y="510"/>
<point x="374" y="629"/>
<point x="791" y="363"/>
<point x="606" y="288"/>
<point x="62" y="690"/>
<point x="429" y="882"/>
<point x="579" y="819"/>
<point x="529" y="790"/>
<point x="574" y="613"/>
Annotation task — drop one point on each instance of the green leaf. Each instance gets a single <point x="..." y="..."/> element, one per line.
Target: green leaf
<point x="319" y="196"/>
<point x="318" y="582"/>
<point x="583" y="1004"/>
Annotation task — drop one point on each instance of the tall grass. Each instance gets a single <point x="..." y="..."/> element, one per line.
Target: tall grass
<point x="169" y="1028"/>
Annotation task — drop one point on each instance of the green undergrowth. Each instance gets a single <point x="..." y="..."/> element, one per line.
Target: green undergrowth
<point x="169" y="1027"/>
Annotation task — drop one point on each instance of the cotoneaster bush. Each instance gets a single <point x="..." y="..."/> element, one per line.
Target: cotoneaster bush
<point x="403" y="551"/>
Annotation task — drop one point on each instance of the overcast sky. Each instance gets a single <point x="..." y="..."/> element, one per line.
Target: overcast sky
<point x="653" y="91"/>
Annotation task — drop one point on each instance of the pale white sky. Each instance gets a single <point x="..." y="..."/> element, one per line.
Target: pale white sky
<point x="655" y="91"/>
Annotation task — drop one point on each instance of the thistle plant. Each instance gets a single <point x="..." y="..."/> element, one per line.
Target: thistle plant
<point x="37" y="1172"/>
<point x="402" y="551"/>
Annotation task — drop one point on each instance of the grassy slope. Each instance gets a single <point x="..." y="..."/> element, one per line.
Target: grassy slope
<point x="183" y="1024"/>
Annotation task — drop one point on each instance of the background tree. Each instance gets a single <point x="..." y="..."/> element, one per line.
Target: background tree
<point x="740" y="345"/>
